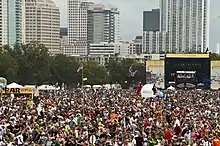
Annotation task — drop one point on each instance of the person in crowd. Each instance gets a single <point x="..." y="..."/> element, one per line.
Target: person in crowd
<point x="108" y="117"/>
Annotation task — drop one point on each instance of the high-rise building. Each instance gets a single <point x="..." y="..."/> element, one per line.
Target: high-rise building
<point x="151" y="20"/>
<point x="136" y="46"/>
<point x="77" y="24"/>
<point x="1" y="23"/>
<point x="64" y="39"/>
<point x="153" y="41"/>
<point x="63" y="32"/>
<point x="42" y="24"/>
<point x="10" y="22"/>
<point x="103" y="24"/>
<point x="187" y="24"/>
<point x="163" y="14"/>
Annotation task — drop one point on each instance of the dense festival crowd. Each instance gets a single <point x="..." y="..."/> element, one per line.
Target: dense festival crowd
<point x="111" y="118"/>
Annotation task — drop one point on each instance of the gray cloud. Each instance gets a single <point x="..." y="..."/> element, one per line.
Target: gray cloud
<point x="131" y="16"/>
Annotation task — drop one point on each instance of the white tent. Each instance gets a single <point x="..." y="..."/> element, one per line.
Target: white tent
<point x="146" y="91"/>
<point x="14" y="85"/>
<point x="96" y="86"/>
<point x="30" y="86"/>
<point x="47" y="87"/>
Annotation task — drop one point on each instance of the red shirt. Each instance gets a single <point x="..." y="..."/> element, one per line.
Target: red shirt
<point x="177" y="130"/>
<point x="216" y="142"/>
<point x="168" y="135"/>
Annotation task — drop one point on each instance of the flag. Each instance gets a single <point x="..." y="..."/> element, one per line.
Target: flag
<point x="132" y="72"/>
<point x="80" y="68"/>
<point x="85" y="79"/>
<point x="139" y="88"/>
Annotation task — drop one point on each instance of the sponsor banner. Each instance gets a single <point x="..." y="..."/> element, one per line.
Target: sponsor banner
<point x="187" y="55"/>
<point x="17" y="91"/>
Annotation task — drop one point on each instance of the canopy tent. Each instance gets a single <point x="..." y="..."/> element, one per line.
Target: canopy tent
<point x="30" y="86"/>
<point x="15" y="88"/>
<point x="14" y="85"/>
<point x="146" y="91"/>
<point x="47" y="87"/>
<point x="96" y="86"/>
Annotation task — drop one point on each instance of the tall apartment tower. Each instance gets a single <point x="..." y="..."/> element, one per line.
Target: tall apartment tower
<point x="42" y="24"/>
<point x="10" y="22"/>
<point x="187" y="24"/>
<point x="77" y="25"/>
<point x="1" y="23"/>
<point x="103" y="24"/>
<point x="163" y="15"/>
<point x="152" y="36"/>
<point x="151" y="20"/>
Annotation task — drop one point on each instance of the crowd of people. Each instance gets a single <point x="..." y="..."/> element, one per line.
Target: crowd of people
<point x="111" y="118"/>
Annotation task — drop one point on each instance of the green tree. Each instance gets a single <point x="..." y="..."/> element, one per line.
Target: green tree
<point x="94" y="73"/>
<point x="117" y="72"/>
<point x="64" y="70"/>
<point x="214" y="56"/>
<point x="33" y="61"/>
<point x="130" y="62"/>
<point x="8" y="65"/>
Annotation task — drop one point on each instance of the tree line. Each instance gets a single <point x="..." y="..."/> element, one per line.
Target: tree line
<point x="31" y="64"/>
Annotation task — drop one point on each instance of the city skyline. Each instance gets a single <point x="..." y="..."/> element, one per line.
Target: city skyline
<point x="134" y="10"/>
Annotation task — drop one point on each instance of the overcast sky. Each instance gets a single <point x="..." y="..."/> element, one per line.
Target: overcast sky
<point x="131" y="16"/>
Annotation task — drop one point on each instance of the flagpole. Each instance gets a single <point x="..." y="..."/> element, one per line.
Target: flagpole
<point x="83" y="91"/>
<point x="82" y="75"/>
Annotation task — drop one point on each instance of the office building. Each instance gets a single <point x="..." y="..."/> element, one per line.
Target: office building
<point x="11" y="20"/>
<point x="102" y="49"/>
<point x="103" y="24"/>
<point x="136" y="46"/>
<point x="187" y="24"/>
<point x="151" y="20"/>
<point x="77" y="24"/>
<point x="122" y="48"/>
<point x="63" y="32"/>
<point x="153" y="41"/>
<point x="42" y="24"/>
<point x="1" y="23"/>
<point x="163" y="15"/>
<point x="64" y="45"/>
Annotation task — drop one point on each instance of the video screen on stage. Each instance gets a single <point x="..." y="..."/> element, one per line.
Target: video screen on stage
<point x="183" y="69"/>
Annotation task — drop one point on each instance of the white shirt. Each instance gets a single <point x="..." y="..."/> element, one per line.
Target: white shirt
<point x="10" y="144"/>
<point x="1" y="132"/>
<point x="206" y="143"/>
<point x="177" y="122"/>
<point x="188" y="136"/>
<point x="20" y="139"/>
<point x="133" y="142"/>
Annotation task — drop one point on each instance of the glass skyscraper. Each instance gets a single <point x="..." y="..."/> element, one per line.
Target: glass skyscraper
<point x="163" y="13"/>
<point x="186" y="23"/>
<point x="11" y="22"/>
